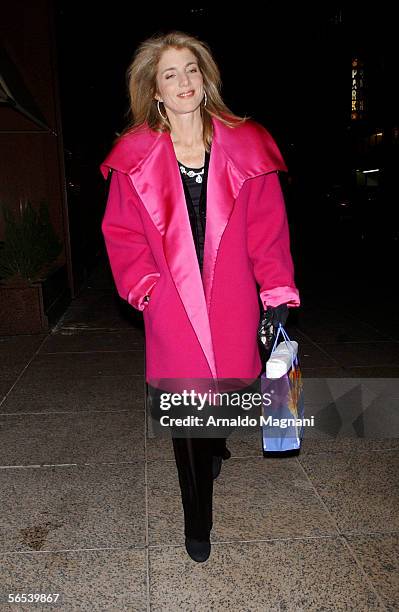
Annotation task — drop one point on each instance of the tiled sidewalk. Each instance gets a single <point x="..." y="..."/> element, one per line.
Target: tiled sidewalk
<point x="91" y="507"/>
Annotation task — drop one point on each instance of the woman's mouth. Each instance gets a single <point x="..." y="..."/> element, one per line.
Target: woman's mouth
<point x="186" y="95"/>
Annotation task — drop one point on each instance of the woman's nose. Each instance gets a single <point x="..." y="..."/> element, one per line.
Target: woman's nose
<point x="184" y="79"/>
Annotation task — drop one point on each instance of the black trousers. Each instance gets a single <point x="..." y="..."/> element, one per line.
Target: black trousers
<point x="194" y="465"/>
<point x="194" y="457"/>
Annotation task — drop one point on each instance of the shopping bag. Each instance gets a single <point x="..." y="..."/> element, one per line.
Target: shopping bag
<point x="282" y="401"/>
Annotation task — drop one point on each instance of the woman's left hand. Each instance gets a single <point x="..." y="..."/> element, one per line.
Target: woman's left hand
<point x="271" y="317"/>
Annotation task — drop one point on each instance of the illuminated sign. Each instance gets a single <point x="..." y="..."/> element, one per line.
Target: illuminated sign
<point x="358" y="97"/>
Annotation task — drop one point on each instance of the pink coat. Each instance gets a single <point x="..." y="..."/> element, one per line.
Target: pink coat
<point x="199" y="327"/>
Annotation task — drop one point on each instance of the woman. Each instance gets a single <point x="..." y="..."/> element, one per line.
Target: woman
<point x="195" y="220"/>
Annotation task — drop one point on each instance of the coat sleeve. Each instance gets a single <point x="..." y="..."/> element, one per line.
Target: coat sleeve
<point x="130" y="256"/>
<point x="269" y="242"/>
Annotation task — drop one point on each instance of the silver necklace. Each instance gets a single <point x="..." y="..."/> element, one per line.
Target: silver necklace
<point x="191" y="173"/>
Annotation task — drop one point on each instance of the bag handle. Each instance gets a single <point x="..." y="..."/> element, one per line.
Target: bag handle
<point x="286" y="337"/>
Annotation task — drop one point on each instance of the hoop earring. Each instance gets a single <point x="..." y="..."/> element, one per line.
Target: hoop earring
<point x="159" y="111"/>
<point x="206" y="98"/>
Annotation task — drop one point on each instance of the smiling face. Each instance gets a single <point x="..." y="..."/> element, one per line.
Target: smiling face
<point x="177" y="74"/>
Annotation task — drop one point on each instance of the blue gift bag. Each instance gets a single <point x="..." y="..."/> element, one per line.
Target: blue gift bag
<point x="283" y="405"/>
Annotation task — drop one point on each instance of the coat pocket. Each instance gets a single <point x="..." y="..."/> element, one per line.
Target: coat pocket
<point x="155" y="294"/>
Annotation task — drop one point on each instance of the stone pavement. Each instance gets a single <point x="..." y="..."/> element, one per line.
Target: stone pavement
<point x="90" y="505"/>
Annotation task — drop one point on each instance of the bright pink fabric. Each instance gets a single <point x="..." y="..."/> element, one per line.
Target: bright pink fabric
<point x="199" y="328"/>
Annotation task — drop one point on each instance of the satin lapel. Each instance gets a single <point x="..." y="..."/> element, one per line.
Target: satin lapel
<point x="159" y="185"/>
<point x="223" y="184"/>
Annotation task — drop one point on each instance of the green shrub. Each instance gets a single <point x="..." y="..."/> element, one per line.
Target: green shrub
<point x="30" y="243"/>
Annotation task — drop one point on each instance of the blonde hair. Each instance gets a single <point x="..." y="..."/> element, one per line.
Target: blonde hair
<point x="142" y="85"/>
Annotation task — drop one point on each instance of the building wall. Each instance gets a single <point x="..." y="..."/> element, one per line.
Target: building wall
<point x="32" y="166"/>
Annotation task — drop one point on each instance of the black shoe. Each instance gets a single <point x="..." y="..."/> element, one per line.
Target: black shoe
<point x="216" y="466"/>
<point x="199" y="550"/>
<point x="226" y="453"/>
<point x="217" y="462"/>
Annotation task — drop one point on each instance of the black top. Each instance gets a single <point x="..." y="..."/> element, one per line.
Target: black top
<point x="194" y="183"/>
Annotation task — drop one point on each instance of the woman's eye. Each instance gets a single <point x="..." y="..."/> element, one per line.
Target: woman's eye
<point x="171" y="75"/>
